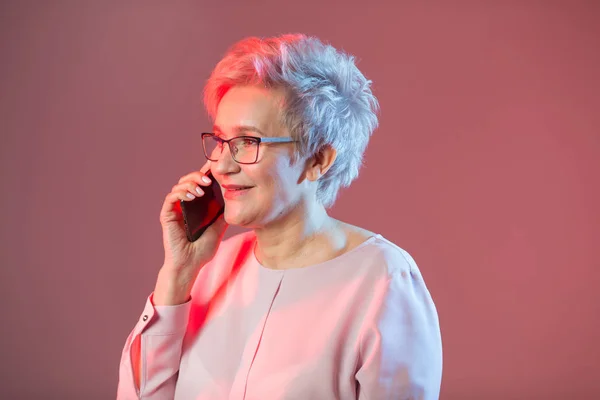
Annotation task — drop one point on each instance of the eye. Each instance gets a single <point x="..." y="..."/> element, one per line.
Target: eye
<point x="247" y="142"/>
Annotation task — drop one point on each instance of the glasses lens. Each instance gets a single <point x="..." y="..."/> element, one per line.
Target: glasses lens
<point x="212" y="147"/>
<point x="244" y="150"/>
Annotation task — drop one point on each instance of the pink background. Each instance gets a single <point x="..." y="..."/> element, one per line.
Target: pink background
<point x="485" y="168"/>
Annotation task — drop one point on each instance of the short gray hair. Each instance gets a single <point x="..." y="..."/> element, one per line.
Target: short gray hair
<point x="328" y="101"/>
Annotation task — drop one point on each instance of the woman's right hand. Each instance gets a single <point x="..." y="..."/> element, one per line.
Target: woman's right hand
<point x="184" y="259"/>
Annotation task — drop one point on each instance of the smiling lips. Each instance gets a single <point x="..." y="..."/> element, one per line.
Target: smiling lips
<point x="233" y="191"/>
<point x="236" y="187"/>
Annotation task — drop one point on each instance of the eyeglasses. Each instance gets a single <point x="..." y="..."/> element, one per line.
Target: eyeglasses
<point x="243" y="149"/>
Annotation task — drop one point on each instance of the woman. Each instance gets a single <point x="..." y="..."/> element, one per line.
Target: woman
<point x="302" y="306"/>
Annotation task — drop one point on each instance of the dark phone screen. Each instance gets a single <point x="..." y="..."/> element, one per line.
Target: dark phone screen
<point x="200" y="213"/>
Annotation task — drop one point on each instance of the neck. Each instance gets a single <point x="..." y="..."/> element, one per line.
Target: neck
<point x="304" y="237"/>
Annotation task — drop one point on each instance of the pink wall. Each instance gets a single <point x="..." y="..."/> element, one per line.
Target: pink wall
<point x="485" y="167"/>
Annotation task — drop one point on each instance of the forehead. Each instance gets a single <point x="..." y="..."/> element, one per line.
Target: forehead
<point x="250" y="106"/>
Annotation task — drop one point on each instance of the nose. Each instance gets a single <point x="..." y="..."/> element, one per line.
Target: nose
<point x="225" y="164"/>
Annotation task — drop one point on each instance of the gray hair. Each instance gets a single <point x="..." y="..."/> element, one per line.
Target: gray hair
<point x="328" y="101"/>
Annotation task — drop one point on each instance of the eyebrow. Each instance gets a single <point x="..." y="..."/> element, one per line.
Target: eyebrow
<point x="241" y="129"/>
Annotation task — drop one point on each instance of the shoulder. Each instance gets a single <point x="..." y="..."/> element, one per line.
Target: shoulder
<point x="401" y="304"/>
<point x="387" y="258"/>
<point x="384" y="256"/>
<point x="400" y="341"/>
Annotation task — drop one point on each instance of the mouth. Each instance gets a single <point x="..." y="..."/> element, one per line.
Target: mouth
<point x="236" y="187"/>
<point x="234" y="191"/>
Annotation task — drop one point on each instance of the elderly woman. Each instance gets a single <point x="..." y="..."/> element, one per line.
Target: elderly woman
<point x="301" y="306"/>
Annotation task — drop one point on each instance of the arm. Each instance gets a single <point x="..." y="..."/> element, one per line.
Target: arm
<point x="401" y="348"/>
<point x="151" y="355"/>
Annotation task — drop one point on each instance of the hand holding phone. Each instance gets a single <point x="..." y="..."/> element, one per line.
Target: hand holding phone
<point x="192" y="225"/>
<point x="203" y="211"/>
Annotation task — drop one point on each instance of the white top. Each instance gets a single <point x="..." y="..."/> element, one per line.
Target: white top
<point x="360" y="326"/>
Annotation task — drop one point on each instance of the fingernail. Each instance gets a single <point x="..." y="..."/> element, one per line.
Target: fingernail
<point x="198" y="190"/>
<point x="190" y="196"/>
<point x="206" y="179"/>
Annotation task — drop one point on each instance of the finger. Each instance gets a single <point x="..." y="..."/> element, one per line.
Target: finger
<point x="176" y="196"/>
<point x="203" y="174"/>
<point x="206" y="167"/>
<point x="198" y="176"/>
<point x="171" y="208"/>
<point x="170" y="204"/>
<point x="188" y="188"/>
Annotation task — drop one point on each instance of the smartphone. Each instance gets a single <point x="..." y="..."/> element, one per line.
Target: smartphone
<point x="203" y="211"/>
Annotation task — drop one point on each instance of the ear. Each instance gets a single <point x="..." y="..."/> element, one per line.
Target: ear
<point x="320" y="162"/>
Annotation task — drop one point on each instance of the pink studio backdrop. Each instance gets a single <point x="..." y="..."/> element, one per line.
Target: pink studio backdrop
<point x="485" y="168"/>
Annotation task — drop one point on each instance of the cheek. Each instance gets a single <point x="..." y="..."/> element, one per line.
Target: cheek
<point x="275" y="180"/>
<point x="265" y="175"/>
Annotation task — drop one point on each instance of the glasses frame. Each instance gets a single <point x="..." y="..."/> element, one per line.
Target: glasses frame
<point x="258" y="140"/>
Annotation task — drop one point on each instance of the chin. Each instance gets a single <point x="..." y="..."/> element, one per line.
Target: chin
<point x="237" y="218"/>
